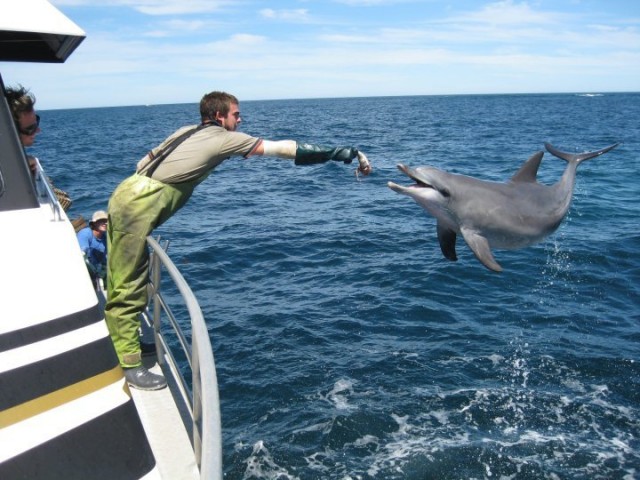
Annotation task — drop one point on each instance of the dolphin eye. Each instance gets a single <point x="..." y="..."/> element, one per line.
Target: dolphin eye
<point x="445" y="193"/>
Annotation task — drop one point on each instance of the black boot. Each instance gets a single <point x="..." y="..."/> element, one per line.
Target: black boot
<point x="143" y="379"/>
<point x="147" y="349"/>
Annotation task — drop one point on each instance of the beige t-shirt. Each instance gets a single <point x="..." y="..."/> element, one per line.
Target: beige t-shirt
<point x="199" y="154"/>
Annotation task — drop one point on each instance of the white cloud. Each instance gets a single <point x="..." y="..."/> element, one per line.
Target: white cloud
<point x="153" y="7"/>
<point x="174" y="7"/>
<point x="178" y="27"/>
<point x="372" y="3"/>
<point x="296" y="15"/>
<point x="242" y="41"/>
<point x="507" y="12"/>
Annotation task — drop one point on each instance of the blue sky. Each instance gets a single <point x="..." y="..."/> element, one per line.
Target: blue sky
<point x="173" y="51"/>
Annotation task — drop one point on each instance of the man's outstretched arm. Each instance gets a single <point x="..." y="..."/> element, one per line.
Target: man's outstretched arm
<point x="309" y="154"/>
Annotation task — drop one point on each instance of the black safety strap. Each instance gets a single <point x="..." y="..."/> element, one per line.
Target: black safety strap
<point x="157" y="159"/>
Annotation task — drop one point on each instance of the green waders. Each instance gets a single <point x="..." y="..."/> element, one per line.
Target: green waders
<point x="137" y="206"/>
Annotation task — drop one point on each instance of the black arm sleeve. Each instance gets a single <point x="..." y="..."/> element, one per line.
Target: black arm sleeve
<point x="309" y="154"/>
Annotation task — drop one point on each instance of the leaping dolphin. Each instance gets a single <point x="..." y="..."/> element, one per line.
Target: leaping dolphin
<point x="489" y="215"/>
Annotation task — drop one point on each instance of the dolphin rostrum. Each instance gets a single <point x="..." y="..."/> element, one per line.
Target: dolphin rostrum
<point x="489" y="215"/>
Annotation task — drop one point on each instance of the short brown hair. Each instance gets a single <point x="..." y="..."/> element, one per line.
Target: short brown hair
<point x="215" y="102"/>
<point x="20" y="101"/>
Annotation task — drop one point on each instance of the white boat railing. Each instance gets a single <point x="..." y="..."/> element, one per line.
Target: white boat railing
<point x="201" y="399"/>
<point x="45" y="191"/>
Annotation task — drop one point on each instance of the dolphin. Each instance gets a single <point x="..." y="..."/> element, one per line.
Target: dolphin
<point x="511" y="215"/>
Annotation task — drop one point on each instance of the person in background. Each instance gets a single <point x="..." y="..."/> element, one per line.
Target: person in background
<point x="93" y="243"/>
<point x="22" y="105"/>
<point x="163" y="182"/>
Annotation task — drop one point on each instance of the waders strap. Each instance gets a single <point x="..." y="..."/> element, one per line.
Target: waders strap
<point x="156" y="160"/>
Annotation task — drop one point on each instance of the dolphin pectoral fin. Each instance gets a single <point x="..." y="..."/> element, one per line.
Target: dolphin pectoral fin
<point x="447" y="239"/>
<point x="479" y="245"/>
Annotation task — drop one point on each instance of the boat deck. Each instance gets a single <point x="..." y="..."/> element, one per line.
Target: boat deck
<point x="163" y="422"/>
<point x="165" y="430"/>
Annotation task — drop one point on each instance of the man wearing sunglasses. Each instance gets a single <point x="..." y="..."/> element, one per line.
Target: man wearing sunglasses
<point x="164" y="181"/>
<point x="22" y="103"/>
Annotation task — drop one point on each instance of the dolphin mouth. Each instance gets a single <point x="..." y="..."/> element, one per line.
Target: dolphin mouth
<point x="420" y="182"/>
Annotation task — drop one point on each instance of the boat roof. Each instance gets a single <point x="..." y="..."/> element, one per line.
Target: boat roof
<point x="36" y="31"/>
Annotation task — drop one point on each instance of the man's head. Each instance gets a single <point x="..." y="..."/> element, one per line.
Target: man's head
<point x="98" y="223"/>
<point x="22" y="103"/>
<point x="221" y="107"/>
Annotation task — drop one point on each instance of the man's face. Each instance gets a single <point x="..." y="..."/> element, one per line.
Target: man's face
<point x="28" y="123"/>
<point x="101" y="227"/>
<point x="231" y="120"/>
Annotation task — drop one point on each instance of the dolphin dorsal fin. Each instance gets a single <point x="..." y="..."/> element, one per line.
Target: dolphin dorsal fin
<point x="529" y="170"/>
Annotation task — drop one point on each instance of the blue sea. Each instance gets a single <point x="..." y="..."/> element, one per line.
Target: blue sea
<point x="347" y="347"/>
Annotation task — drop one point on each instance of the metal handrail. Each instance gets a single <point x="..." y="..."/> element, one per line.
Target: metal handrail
<point x="45" y="191"/>
<point x="202" y="400"/>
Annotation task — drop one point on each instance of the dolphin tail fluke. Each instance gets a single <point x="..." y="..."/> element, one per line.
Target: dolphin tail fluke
<point x="577" y="157"/>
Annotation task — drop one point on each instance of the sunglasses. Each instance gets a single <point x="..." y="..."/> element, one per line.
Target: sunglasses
<point x="30" y="129"/>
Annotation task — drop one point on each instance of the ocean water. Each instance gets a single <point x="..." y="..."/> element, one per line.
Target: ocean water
<point x="347" y="347"/>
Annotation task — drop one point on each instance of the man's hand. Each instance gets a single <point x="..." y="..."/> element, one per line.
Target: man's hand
<point x="364" y="166"/>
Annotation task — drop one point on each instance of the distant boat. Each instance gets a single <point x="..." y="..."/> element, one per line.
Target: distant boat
<point x="589" y="95"/>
